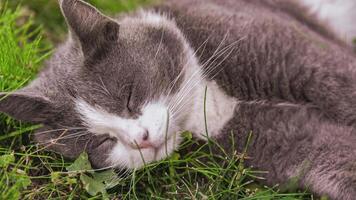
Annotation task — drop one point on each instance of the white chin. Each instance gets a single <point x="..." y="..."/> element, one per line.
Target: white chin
<point x="123" y="156"/>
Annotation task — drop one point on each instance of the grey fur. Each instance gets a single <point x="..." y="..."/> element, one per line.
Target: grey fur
<point x="294" y="80"/>
<point x="282" y="60"/>
<point x="118" y="75"/>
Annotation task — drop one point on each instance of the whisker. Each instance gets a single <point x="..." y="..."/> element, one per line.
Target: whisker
<point x="213" y="76"/>
<point x="103" y="168"/>
<point x="174" y="82"/>
<point x="182" y="106"/>
<point x="159" y="45"/>
<point x="208" y="72"/>
<point x="45" y="147"/>
<point x="104" y="87"/>
<point x="55" y="130"/>
<point x="203" y="77"/>
<point x="61" y="137"/>
<point x="186" y="92"/>
<point x="200" y="68"/>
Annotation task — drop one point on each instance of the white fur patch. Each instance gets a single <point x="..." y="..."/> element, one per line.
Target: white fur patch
<point x="130" y="133"/>
<point x="124" y="157"/>
<point x="339" y="14"/>
<point x="153" y="18"/>
<point x="189" y="109"/>
<point x="219" y="108"/>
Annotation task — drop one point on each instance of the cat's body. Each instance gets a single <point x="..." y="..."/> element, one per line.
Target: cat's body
<point x="295" y="87"/>
<point x="268" y="69"/>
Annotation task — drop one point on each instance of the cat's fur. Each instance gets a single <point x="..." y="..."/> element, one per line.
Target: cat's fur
<point x="116" y="85"/>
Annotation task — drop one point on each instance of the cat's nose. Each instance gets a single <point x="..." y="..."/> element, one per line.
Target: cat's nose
<point x="146" y="135"/>
<point x="145" y="145"/>
<point x="144" y="142"/>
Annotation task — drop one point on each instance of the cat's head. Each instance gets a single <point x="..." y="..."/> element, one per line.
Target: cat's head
<point x="128" y="82"/>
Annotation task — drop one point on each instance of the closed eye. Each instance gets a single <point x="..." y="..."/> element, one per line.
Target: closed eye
<point x="129" y="99"/>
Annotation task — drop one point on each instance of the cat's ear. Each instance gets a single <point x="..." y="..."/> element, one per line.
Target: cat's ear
<point x="93" y="29"/>
<point x="26" y="107"/>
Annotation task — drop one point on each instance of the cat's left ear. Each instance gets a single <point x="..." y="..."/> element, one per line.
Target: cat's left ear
<point x="26" y="107"/>
<point x="93" y="29"/>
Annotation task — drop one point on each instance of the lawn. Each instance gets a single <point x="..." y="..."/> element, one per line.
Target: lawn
<point x="29" y="31"/>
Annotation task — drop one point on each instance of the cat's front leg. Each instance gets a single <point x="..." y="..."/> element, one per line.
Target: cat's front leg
<point x="294" y="142"/>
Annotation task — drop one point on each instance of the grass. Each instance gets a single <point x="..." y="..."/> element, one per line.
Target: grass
<point x="27" y="33"/>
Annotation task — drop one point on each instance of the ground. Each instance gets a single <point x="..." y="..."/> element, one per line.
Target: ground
<point x="29" y="31"/>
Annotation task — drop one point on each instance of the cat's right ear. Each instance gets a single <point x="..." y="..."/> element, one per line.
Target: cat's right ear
<point x="26" y="107"/>
<point x="91" y="28"/>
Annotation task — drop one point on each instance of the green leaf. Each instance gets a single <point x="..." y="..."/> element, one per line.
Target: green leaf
<point x="92" y="186"/>
<point x="80" y="164"/>
<point x="6" y="160"/>
<point x="23" y="181"/>
<point x="104" y="176"/>
<point x="109" y="178"/>
<point x="188" y="135"/>
<point x="175" y="156"/>
<point x="97" y="182"/>
<point x="56" y="177"/>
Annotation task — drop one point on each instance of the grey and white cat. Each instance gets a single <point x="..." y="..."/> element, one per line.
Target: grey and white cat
<point x="123" y="85"/>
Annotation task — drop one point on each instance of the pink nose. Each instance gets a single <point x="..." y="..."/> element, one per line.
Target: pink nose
<point x="144" y="142"/>
<point x="146" y="134"/>
<point x="145" y="145"/>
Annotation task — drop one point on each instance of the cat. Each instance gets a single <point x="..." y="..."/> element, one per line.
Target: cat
<point x="122" y="86"/>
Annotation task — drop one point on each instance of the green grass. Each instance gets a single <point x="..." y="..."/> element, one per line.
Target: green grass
<point x="29" y="172"/>
<point x="47" y="13"/>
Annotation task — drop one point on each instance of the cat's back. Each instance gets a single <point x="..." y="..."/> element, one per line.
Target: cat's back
<point x="266" y="36"/>
<point x="219" y="16"/>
